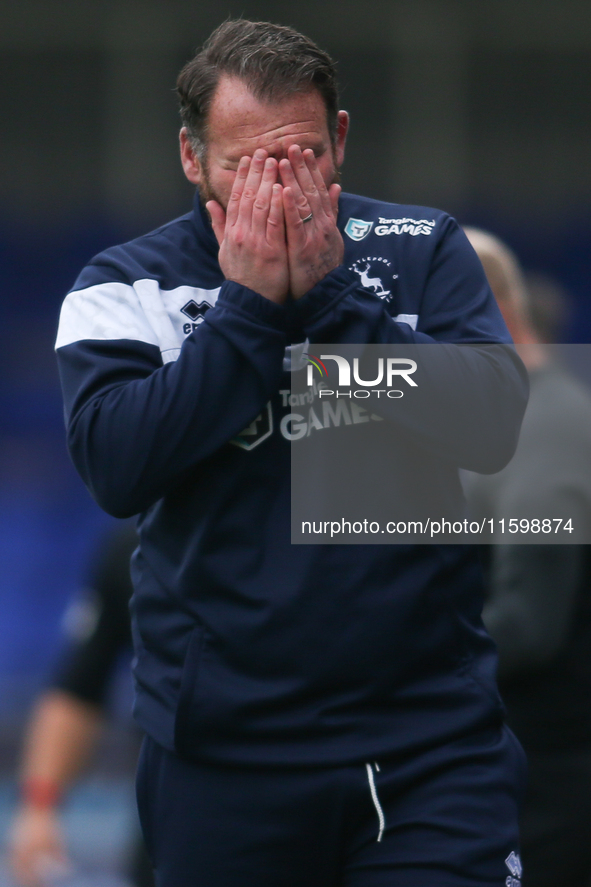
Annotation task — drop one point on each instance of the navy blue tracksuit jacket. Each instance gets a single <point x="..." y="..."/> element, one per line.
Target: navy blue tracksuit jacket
<point x="249" y="649"/>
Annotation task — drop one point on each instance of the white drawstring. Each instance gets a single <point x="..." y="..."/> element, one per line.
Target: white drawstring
<point x="375" y="799"/>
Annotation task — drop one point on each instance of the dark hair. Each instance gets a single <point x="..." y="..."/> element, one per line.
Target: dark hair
<point x="274" y="61"/>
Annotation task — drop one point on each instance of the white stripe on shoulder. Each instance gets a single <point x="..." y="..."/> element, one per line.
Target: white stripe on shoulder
<point x="104" y="311"/>
<point x="410" y="319"/>
<point x="156" y="314"/>
<point x="142" y="312"/>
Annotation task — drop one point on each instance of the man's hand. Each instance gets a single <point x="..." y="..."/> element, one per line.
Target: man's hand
<point x="315" y="247"/>
<point x="251" y="233"/>
<point x="36" y="847"/>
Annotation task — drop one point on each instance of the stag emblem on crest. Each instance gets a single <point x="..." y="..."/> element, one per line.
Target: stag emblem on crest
<point x="369" y="279"/>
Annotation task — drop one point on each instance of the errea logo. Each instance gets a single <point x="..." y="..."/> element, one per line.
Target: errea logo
<point x="513" y="863"/>
<point x="195" y="311"/>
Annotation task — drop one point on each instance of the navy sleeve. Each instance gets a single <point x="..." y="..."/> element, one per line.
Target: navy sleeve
<point x="475" y="384"/>
<point x="456" y="303"/>
<point x="135" y="425"/>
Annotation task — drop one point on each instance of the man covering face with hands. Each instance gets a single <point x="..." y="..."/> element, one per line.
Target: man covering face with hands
<point x="314" y="714"/>
<point x="270" y="168"/>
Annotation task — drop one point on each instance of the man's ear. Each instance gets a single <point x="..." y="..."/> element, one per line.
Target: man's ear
<point x="342" y="130"/>
<point x="191" y="164"/>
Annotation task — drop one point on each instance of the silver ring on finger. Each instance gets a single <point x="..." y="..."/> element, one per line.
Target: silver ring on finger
<point x="308" y="218"/>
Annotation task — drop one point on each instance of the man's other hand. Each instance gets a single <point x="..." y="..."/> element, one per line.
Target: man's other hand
<point x="314" y="247"/>
<point x="36" y="848"/>
<point x="251" y="233"/>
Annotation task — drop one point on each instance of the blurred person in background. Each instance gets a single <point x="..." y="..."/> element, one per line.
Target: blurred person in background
<point x="67" y="718"/>
<point x="548" y="306"/>
<point x="538" y="608"/>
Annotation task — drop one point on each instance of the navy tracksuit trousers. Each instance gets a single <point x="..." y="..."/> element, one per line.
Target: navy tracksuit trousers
<point x="446" y="817"/>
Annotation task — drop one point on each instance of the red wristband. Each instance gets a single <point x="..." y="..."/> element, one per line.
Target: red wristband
<point x="39" y="792"/>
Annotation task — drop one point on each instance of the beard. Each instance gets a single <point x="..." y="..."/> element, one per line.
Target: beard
<point x="206" y="192"/>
